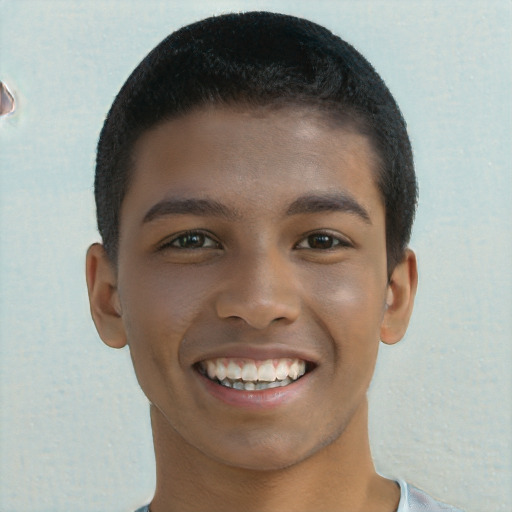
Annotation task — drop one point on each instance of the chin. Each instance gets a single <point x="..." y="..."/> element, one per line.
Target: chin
<point x="263" y="462"/>
<point x="268" y="452"/>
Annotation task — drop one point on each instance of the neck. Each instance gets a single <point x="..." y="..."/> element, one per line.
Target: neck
<point x="339" y="477"/>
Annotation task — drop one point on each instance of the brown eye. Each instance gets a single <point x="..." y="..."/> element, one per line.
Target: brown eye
<point x="193" y="240"/>
<point x="322" y="241"/>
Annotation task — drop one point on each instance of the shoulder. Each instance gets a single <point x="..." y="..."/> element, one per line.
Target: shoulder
<point x="413" y="499"/>
<point x="143" y="509"/>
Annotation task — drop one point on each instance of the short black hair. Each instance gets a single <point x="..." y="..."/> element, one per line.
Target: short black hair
<point x="257" y="59"/>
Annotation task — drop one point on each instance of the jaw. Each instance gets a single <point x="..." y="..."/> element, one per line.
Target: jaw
<point x="264" y="473"/>
<point x="256" y="430"/>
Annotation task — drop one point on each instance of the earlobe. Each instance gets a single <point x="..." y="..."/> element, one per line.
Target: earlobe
<point x="400" y="299"/>
<point x="104" y="298"/>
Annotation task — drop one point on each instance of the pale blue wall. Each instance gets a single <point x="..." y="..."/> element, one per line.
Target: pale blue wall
<point x="74" y="432"/>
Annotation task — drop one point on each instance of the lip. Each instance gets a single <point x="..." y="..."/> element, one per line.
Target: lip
<point x="256" y="400"/>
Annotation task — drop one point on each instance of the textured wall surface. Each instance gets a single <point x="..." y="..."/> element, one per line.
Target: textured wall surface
<point x="74" y="427"/>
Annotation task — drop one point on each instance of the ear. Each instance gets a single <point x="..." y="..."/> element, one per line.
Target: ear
<point x="103" y="297"/>
<point x="400" y="299"/>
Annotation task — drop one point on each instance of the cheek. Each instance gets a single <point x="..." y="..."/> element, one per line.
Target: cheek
<point x="356" y="295"/>
<point x="162" y="303"/>
<point x="351" y="304"/>
<point x="158" y="307"/>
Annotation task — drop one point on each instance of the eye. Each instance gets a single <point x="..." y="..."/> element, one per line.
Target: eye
<point x="322" y="241"/>
<point x="192" y="240"/>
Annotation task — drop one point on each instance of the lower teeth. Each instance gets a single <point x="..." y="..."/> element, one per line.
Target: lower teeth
<point x="252" y="386"/>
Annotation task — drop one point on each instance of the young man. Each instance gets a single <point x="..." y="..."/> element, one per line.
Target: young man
<point x="255" y="194"/>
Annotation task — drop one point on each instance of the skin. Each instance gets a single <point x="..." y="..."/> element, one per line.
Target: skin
<point x="274" y="270"/>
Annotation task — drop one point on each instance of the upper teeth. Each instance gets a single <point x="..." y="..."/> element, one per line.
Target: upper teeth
<point x="248" y="370"/>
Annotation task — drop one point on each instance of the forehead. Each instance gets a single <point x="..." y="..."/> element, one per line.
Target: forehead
<point x="254" y="157"/>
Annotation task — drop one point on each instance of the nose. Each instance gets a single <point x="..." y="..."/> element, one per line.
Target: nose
<point x="260" y="290"/>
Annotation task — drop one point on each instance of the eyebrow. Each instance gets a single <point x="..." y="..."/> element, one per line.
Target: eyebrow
<point x="200" y="207"/>
<point x="309" y="203"/>
<point x="328" y="202"/>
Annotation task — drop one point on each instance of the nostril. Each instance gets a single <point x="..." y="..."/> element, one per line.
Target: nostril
<point x="278" y="319"/>
<point x="256" y="302"/>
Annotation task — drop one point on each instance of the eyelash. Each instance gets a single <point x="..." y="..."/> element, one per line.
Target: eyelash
<point x="172" y="244"/>
<point x="335" y="242"/>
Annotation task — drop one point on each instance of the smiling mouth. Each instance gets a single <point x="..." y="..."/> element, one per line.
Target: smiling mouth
<point x="252" y="374"/>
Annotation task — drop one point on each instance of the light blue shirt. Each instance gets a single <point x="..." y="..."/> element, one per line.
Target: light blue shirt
<point x="413" y="499"/>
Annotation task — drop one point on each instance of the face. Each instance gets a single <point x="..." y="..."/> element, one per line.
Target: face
<point x="252" y="280"/>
